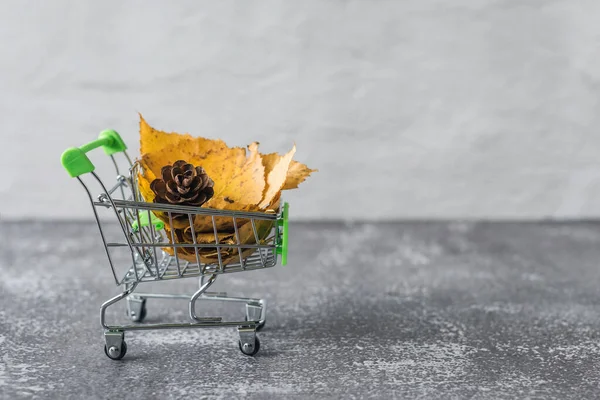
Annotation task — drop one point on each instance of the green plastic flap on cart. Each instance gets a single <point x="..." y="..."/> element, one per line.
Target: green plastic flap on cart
<point x="158" y="224"/>
<point x="282" y="245"/>
<point x="114" y="143"/>
<point x="77" y="163"/>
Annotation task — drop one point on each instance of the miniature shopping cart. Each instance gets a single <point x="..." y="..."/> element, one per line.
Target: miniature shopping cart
<point x="155" y="254"/>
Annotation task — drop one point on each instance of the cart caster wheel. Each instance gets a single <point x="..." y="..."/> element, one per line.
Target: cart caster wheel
<point x="142" y="315"/>
<point x="113" y="352"/>
<point x="247" y="349"/>
<point x="137" y="311"/>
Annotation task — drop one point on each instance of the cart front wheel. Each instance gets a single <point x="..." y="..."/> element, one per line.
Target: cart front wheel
<point x="248" y="349"/>
<point x="142" y="314"/>
<point x="136" y="310"/>
<point x="115" y="353"/>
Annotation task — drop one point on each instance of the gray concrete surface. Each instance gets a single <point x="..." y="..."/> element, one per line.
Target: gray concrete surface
<point x="435" y="108"/>
<point x="405" y="310"/>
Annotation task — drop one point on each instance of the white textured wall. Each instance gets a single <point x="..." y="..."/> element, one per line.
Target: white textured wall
<point x="414" y="108"/>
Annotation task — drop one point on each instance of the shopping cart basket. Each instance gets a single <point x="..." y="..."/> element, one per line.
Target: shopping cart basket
<point x="156" y="254"/>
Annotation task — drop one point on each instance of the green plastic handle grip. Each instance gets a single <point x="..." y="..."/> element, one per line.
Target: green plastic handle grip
<point x="158" y="224"/>
<point x="77" y="163"/>
<point x="282" y="245"/>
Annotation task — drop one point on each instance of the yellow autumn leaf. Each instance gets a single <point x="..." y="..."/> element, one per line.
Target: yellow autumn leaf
<point x="245" y="187"/>
<point x="221" y="165"/>
<point x="243" y="179"/>
<point x="238" y="178"/>
<point x="228" y="254"/>
<point x="154" y="141"/>
<point x="276" y="177"/>
<point x="296" y="174"/>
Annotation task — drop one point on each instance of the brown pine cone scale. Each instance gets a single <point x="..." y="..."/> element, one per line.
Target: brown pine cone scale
<point x="183" y="184"/>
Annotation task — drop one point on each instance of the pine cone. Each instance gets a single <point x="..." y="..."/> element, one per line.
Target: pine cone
<point x="183" y="184"/>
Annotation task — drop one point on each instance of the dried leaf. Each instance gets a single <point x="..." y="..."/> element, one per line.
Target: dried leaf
<point x="234" y="176"/>
<point x="210" y="255"/>
<point x="144" y="187"/>
<point x="238" y="179"/>
<point x="154" y="141"/>
<point x="245" y="187"/>
<point x="297" y="173"/>
<point x="243" y="180"/>
<point x="276" y="176"/>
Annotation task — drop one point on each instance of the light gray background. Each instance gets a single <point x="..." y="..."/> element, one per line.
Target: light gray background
<point x="410" y="109"/>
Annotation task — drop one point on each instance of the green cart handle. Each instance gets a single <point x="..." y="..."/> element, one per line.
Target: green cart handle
<point x="77" y="163"/>
<point x="282" y="244"/>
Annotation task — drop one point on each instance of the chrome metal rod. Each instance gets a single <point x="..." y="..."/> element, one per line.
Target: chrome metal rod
<point x="121" y="181"/>
<point x="195" y="210"/>
<point x="208" y="324"/>
<point x="181" y="296"/>
<point x="112" y="301"/>
<point x="99" y="224"/>
<point x="199" y="292"/>
<point x="162" y="296"/>
<point x="191" y="245"/>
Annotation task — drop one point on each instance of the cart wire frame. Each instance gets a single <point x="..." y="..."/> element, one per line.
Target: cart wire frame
<point x="147" y="238"/>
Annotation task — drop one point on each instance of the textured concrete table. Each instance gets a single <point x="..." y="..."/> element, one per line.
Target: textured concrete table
<point x="416" y="310"/>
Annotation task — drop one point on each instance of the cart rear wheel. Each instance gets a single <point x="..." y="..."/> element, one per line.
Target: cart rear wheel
<point x="113" y="354"/>
<point x="247" y="350"/>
